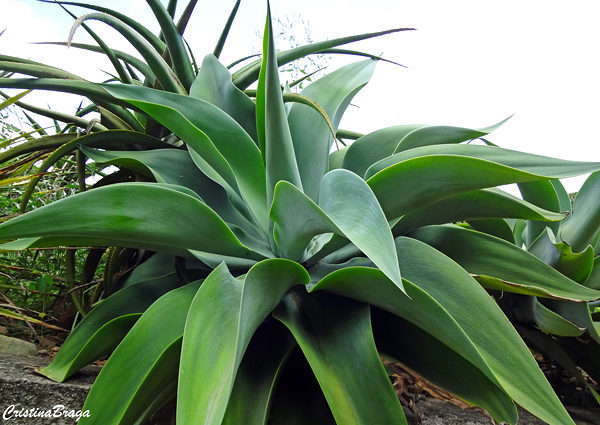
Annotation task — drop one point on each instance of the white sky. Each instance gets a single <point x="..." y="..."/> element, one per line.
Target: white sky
<point x="470" y="63"/>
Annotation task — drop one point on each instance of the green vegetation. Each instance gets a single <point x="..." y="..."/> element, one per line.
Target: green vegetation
<point x="257" y="255"/>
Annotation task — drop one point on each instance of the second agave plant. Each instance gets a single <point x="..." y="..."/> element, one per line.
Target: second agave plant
<point x="277" y="273"/>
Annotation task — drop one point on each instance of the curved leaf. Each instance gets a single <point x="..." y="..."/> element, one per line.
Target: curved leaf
<point x="227" y="310"/>
<point x="311" y="136"/>
<point x="110" y="320"/>
<point x="584" y="224"/>
<point x="274" y="135"/>
<point x="174" y="166"/>
<point x="441" y="135"/>
<point x="502" y="265"/>
<point x="208" y="131"/>
<point x="375" y="146"/>
<point x="348" y="208"/>
<point x="542" y="194"/>
<point x="423" y="353"/>
<point x="525" y="162"/>
<point x="336" y="338"/>
<point x="496" y="339"/>
<point x="485" y="203"/>
<point x="213" y="84"/>
<point x="442" y="176"/>
<point x="161" y="69"/>
<point x="133" y="215"/>
<point x="529" y="309"/>
<point x="175" y="46"/>
<point x="149" y="354"/>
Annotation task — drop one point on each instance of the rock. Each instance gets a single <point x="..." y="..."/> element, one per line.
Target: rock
<point x="3" y="330"/>
<point x="16" y="346"/>
<point x="22" y="388"/>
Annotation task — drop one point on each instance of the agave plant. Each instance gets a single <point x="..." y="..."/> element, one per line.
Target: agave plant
<point x="278" y="273"/>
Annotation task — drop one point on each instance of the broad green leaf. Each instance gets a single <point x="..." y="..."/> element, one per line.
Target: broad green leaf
<point x="498" y="342"/>
<point x="423" y="354"/>
<point x="214" y="85"/>
<point x="348" y="208"/>
<point x="575" y="265"/>
<point x="420" y="308"/>
<point x="442" y="176"/>
<point x="525" y="162"/>
<point x="149" y="355"/>
<point x="256" y="380"/>
<point x="130" y="214"/>
<point x="311" y="136"/>
<point x="106" y="325"/>
<point x="336" y="338"/>
<point x="227" y="310"/>
<point x="441" y="135"/>
<point x="174" y="166"/>
<point x="208" y="131"/>
<point x="375" y="146"/>
<point x="479" y="204"/>
<point x="502" y="265"/>
<point x="584" y="224"/>
<point x="274" y="134"/>
<point x="337" y="157"/>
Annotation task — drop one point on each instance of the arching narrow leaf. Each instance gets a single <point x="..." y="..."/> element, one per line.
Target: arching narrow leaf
<point x="161" y="69"/>
<point x="228" y="310"/>
<point x="176" y="48"/>
<point x="249" y="74"/>
<point x="149" y="354"/>
<point x="311" y="137"/>
<point x="336" y="338"/>
<point x="502" y="265"/>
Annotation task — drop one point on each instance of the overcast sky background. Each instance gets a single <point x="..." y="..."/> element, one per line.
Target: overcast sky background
<point x="470" y="63"/>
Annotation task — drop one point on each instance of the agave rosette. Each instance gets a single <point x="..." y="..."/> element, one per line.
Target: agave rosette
<point x="297" y="268"/>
